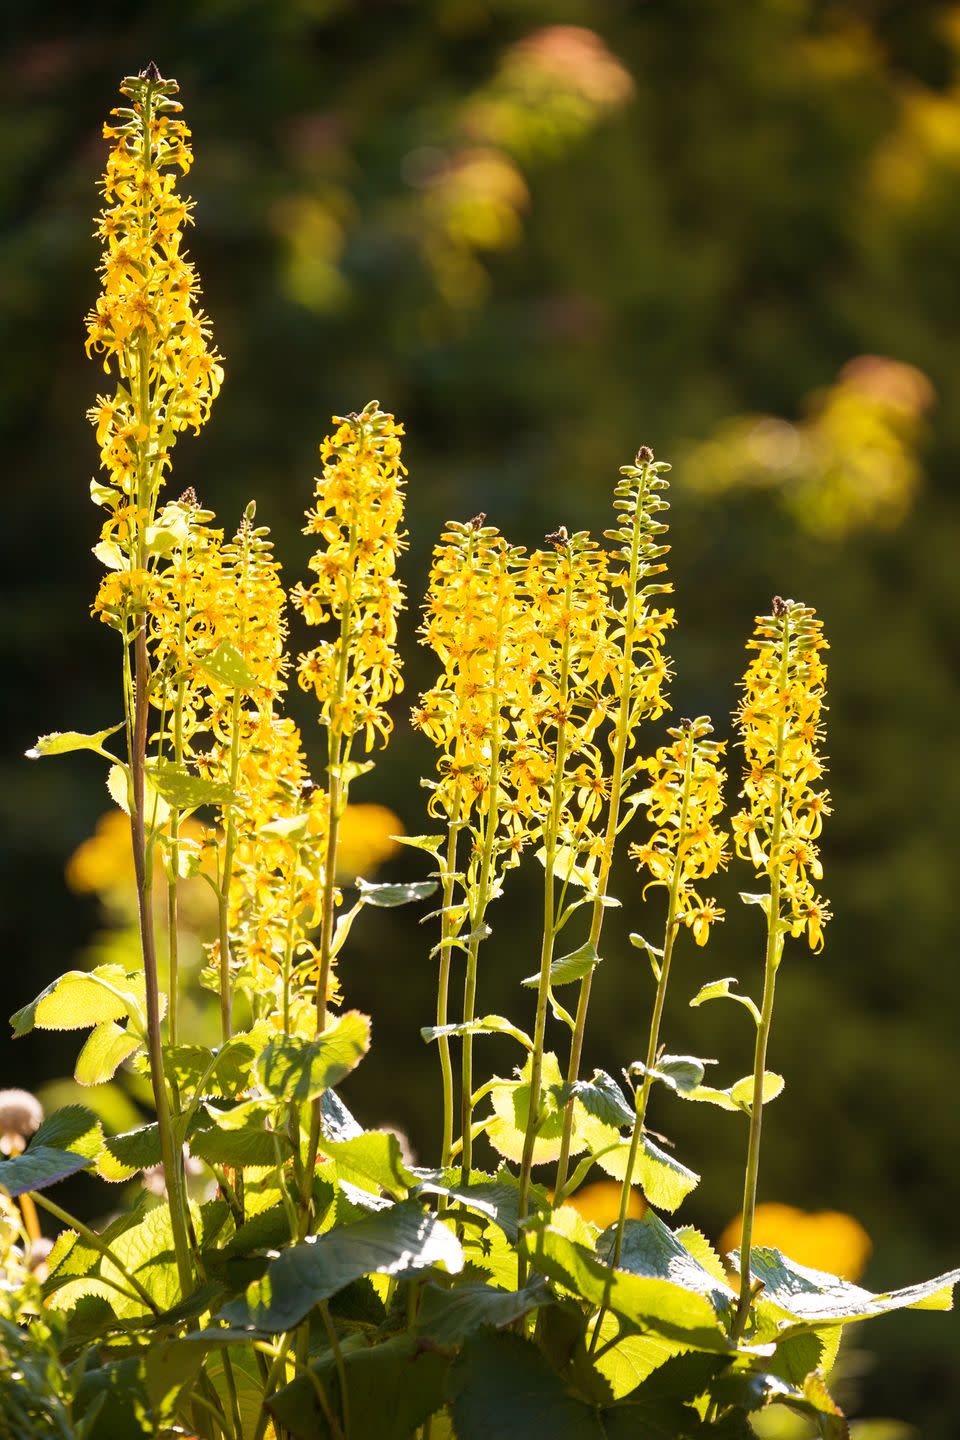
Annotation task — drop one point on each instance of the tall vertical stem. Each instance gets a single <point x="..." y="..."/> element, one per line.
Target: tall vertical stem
<point x="622" y="733"/>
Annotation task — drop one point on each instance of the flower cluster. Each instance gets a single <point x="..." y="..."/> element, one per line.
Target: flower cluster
<point x="358" y="514"/>
<point x="470" y="623"/>
<point x="683" y="799"/>
<point x="560" y="693"/>
<point x="780" y="721"/>
<point x="147" y="327"/>
<point x="639" y="625"/>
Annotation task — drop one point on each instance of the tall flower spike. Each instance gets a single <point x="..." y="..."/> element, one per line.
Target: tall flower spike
<point x="358" y="514"/>
<point x="780" y="721"/>
<point x="146" y="323"/>
<point x="683" y="799"/>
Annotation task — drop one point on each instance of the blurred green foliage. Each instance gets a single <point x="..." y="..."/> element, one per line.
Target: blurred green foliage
<point x="544" y="234"/>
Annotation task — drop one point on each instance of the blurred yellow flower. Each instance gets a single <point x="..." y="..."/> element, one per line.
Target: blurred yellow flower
<point x="600" y="1203"/>
<point x="365" y="840"/>
<point x="104" y="862"/>
<point x="823" y="1239"/>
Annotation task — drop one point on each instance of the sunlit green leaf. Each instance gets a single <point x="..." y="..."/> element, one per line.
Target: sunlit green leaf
<point x="105" y="1049"/>
<point x="720" y="990"/>
<point x="664" y="1181"/>
<point x="293" y="1068"/>
<point x="374" y="1156"/>
<point x="84" y="997"/>
<point x="123" y="1155"/>
<point x="820" y="1298"/>
<point x="568" y="968"/>
<point x="227" y="666"/>
<point x="486" y="1025"/>
<point x="61" y="742"/>
<point x="388" y="896"/>
<point x="183" y="790"/>
<point x="239" y="1148"/>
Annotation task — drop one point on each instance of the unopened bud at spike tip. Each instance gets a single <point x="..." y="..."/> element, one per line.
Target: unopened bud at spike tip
<point x="778" y="607"/>
<point x="644" y="455"/>
<point x="151" y="73"/>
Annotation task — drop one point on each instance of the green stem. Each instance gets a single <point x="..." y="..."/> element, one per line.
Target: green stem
<point x="551" y="835"/>
<point x="447" y="937"/>
<point x="774" y="951"/>
<point x="622" y="735"/>
<point x="482" y="898"/>
<point x="642" y="1094"/>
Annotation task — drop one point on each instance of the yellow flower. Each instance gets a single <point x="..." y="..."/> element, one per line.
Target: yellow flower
<point x="145" y="323"/>
<point x="358" y="514"/>
<point x="683" y="799"/>
<point x="780" y="721"/>
<point x="600" y="1203"/>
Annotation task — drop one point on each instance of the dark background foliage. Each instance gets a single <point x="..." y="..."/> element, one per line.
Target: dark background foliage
<point x="705" y="211"/>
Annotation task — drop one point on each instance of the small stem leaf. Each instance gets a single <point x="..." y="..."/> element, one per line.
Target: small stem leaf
<point x="295" y="1069"/>
<point x="487" y="1025"/>
<point x="61" y="742"/>
<point x="742" y="1092"/>
<point x="227" y="667"/>
<point x="680" y="1073"/>
<point x="720" y="990"/>
<point x="568" y="968"/>
<point x="253" y="1146"/>
<point x="402" y="1240"/>
<point x="124" y="1155"/>
<point x="602" y="1098"/>
<point x="433" y="844"/>
<point x="387" y="896"/>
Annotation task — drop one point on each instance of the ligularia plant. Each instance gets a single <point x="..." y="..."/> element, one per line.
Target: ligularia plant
<point x="281" y="1270"/>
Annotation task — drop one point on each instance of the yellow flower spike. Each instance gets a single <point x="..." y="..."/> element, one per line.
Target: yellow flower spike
<point x="780" y="721"/>
<point x="146" y="324"/>
<point x="357" y="515"/>
<point x="686" y="843"/>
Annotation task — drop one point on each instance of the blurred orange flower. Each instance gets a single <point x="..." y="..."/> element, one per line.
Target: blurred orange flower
<point x="600" y="1203"/>
<point x="823" y="1239"/>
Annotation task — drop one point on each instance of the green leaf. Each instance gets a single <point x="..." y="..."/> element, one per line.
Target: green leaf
<point x="647" y="1302"/>
<point x="447" y="1317"/>
<point x="225" y="1071"/>
<point x="569" y="967"/>
<point x="146" y="1251"/>
<point x="741" y="1093"/>
<point x="502" y="1386"/>
<point x="39" y="1167"/>
<point x="120" y="790"/>
<point x="372" y="1156"/>
<point x="628" y="1363"/>
<point x="680" y="1073"/>
<point x="387" y="896"/>
<point x="664" y="1181"/>
<point x="506" y="1131"/>
<point x="401" y="1240"/>
<point x="602" y="1098"/>
<point x="105" y="1049"/>
<point x="123" y="1155"/>
<point x="72" y="1127"/>
<point x="227" y="666"/>
<point x="816" y="1297"/>
<point x="496" y="1196"/>
<point x="293" y="1068"/>
<point x="239" y="1148"/>
<point x="720" y="990"/>
<point x="650" y="1247"/>
<point x="183" y="790"/>
<point x="61" y="742"/>
<point x="433" y="844"/>
<point x="393" y="1387"/>
<point x="568" y="868"/>
<point x="81" y="998"/>
<point x="487" y="1025"/>
<point x="288" y="827"/>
